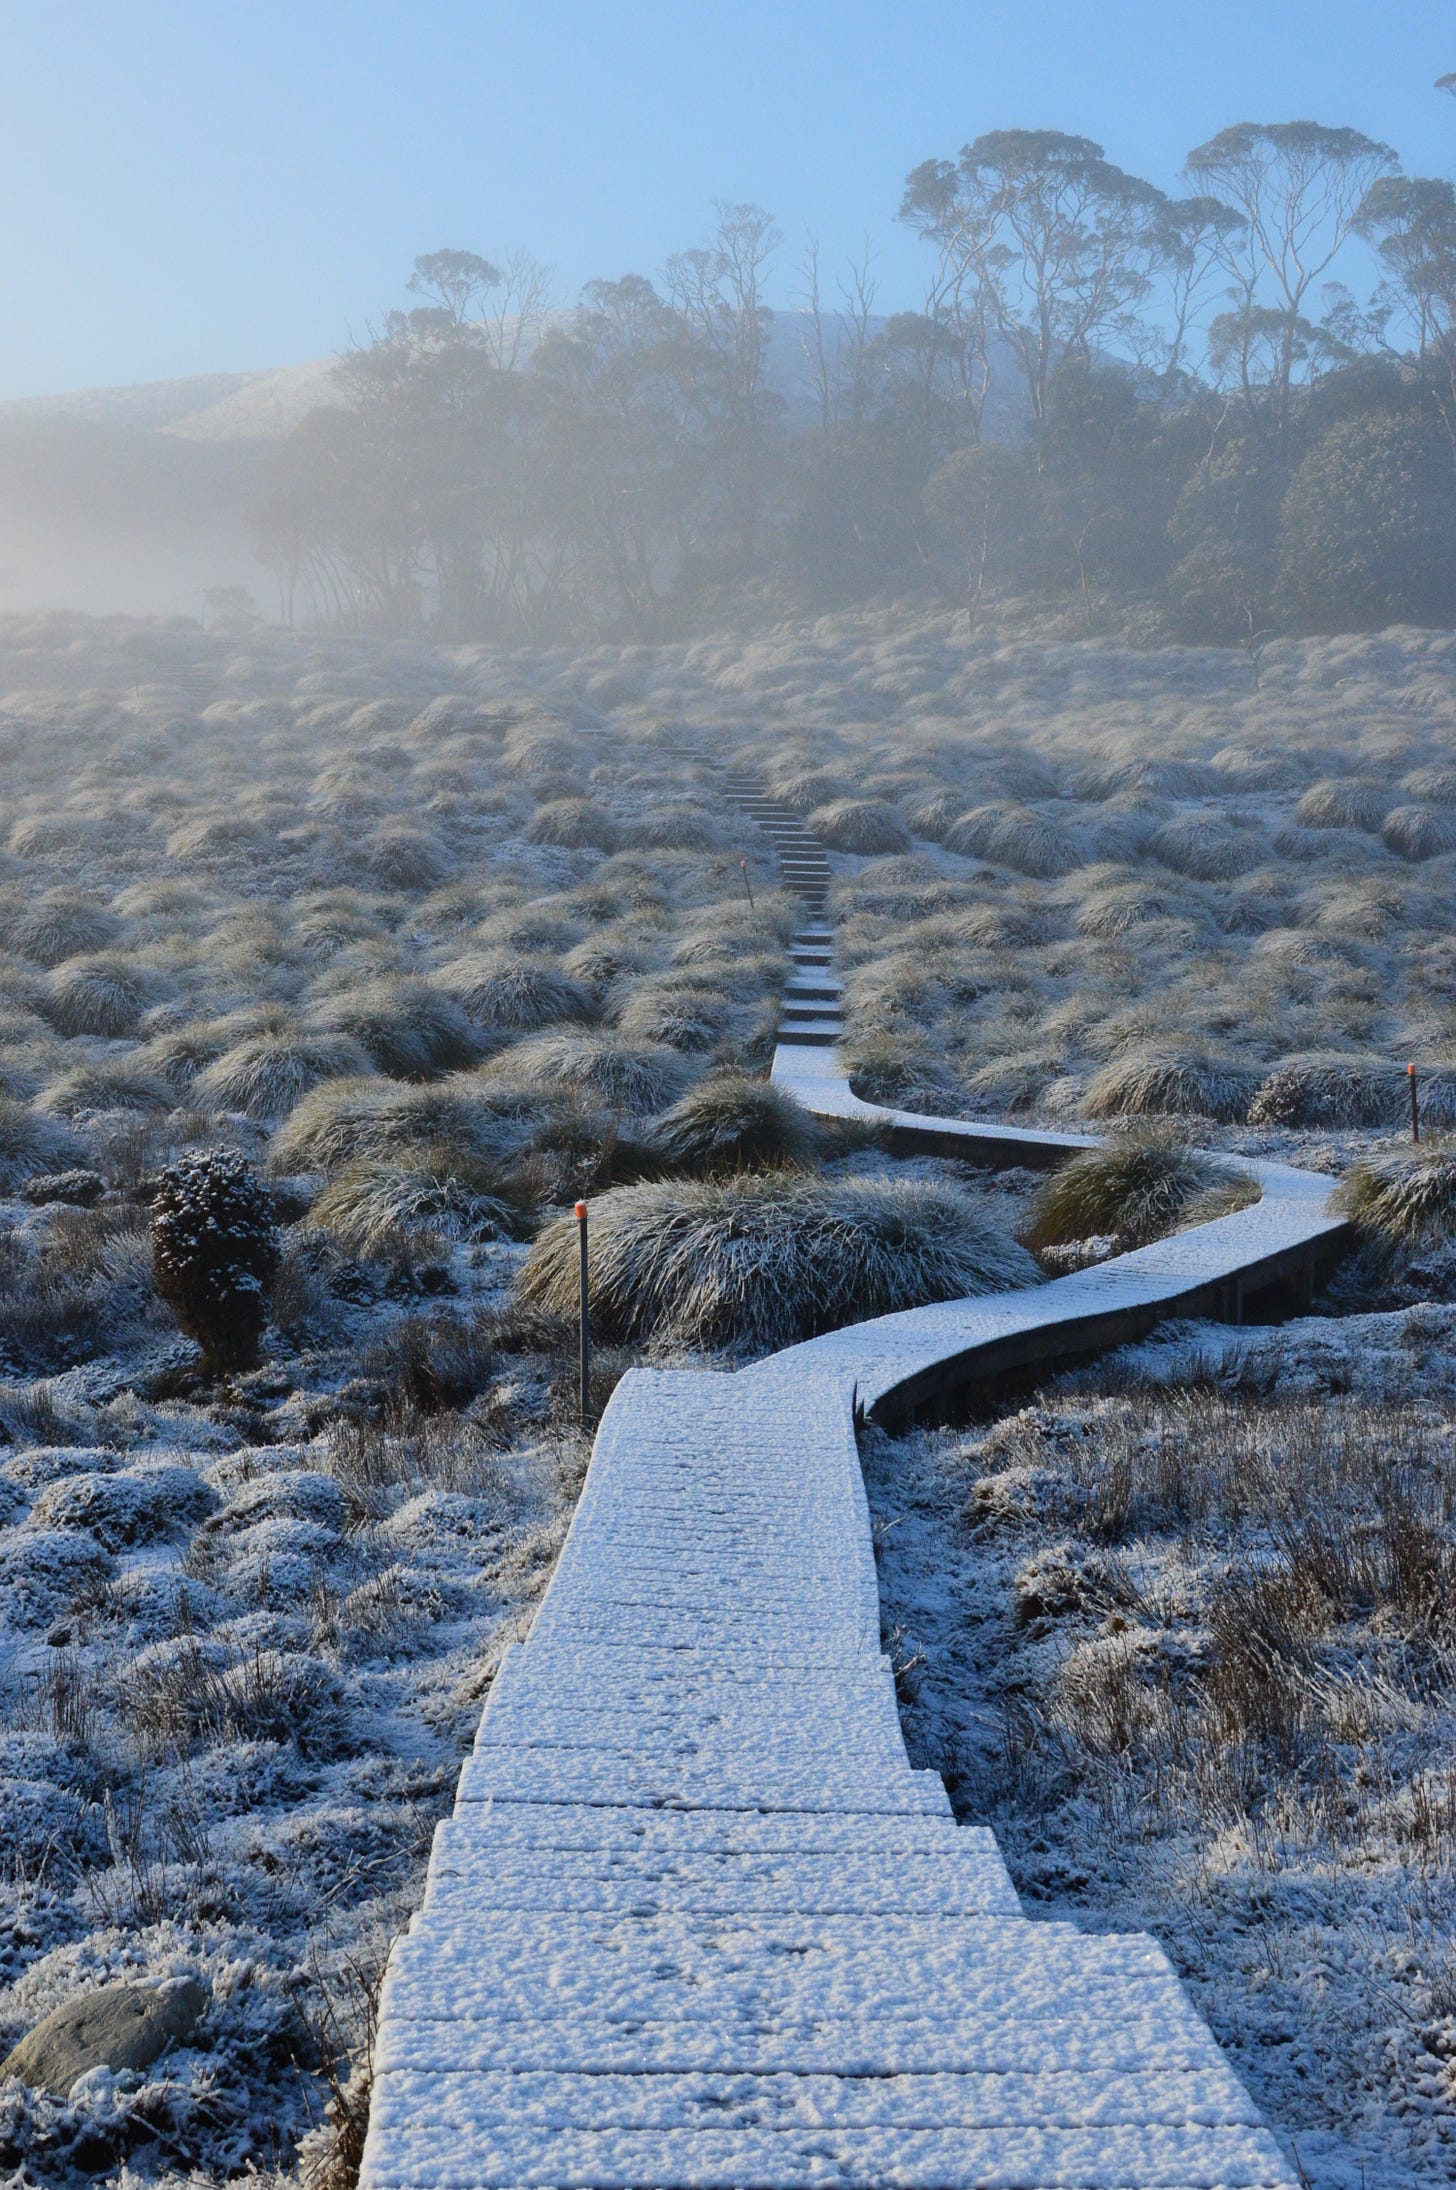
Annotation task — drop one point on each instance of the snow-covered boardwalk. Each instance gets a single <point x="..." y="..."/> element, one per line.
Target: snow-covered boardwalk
<point x="695" y="1920"/>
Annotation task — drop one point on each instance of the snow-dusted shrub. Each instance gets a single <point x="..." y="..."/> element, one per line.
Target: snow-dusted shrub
<point x="1403" y="1200"/>
<point x="577" y="824"/>
<point x="43" y="1570"/>
<point x="1344" y="802"/>
<point x="1419" y="832"/>
<point x="58" y="925"/>
<point x="102" y="995"/>
<point x="1334" y="1090"/>
<point x="267" y="1075"/>
<point x="1134" y="1189"/>
<point x="636" y="1077"/>
<point x="410" y="1029"/>
<point x="180" y="1694"/>
<point x="343" y="1120"/>
<point x="1016" y="837"/>
<point x="31" y="1145"/>
<point x="859" y="825"/>
<point x="369" y="1203"/>
<point x="756" y="1262"/>
<point x="133" y="1505"/>
<point x="504" y="994"/>
<point x="215" y="1252"/>
<point x="1153" y="1083"/>
<point x="734" y="1123"/>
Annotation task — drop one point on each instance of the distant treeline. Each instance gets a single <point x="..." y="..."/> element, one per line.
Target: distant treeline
<point x="1105" y="391"/>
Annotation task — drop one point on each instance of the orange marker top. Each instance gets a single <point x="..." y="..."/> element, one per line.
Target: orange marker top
<point x="580" y="1211"/>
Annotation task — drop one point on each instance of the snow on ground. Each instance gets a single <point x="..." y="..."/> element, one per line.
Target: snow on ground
<point x="1181" y="1630"/>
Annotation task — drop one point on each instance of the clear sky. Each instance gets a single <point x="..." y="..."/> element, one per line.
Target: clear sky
<point x="210" y="185"/>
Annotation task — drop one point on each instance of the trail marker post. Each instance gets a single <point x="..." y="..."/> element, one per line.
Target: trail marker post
<point x="1415" y="1104"/>
<point x="585" y="1319"/>
<point x="748" y="884"/>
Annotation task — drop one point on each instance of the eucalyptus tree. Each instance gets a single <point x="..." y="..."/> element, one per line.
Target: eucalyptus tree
<point x="1046" y="238"/>
<point x="1297" y="188"/>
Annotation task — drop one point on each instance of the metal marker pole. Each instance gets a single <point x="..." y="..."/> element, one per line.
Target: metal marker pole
<point x="1415" y="1106"/>
<point x="748" y="885"/>
<point x="585" y="1320"/>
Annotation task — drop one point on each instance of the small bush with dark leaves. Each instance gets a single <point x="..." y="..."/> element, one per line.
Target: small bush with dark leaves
<point x="215" y="1252"/>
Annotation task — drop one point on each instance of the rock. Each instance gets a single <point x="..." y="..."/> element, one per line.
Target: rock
<point x="115" y="2027"/>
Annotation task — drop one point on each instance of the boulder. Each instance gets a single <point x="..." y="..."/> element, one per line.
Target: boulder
<point x="115" y="2027"/>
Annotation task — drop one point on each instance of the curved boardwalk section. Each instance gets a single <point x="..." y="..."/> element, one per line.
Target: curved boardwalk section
<point x="696" y="1923"/>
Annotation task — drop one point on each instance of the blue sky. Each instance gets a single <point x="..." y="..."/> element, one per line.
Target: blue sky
<point x="216" y="186"/>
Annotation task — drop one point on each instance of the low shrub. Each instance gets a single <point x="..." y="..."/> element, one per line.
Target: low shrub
<point x="734" y="1123"/>
<point x="215" y="1252"/>
<point x="754" y="1263"/>
<point x="1137" y="1188"/>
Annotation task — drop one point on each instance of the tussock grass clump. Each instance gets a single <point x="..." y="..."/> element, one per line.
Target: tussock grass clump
<point x="118" y="1083"/>
<point x="900" y="1070"/>
<point x="1341" y="1091"/>
<point x="266" y="1076"/>
<point x="754" y="1263"/>
<point x="1419" y="832"/>
<point x="34" y="1147"/>
<point x="576" y="824"/>
<point x="59" y="925"/>
<point x="409" y="1029"/>
<point x="345" y="1119"/>
<point x="103" y="995"/>
<point x="1431" y="786"/>
<point x="859" y="825"/>
<point x="402" y="858"/>
<point x="1343" y="802"/>
<point x="1403" y="1200"/>
<point x="639" y="1078"/>
<point x="1160" y="1084"/>
<point x="1137" y="1188"/>
<point x="734" y="1123"/>
<point x="1207" y="851"/>
<point x="433" y="1190"/>
<point x="500" y="993"/>
<point x="1014" y="836"/>
<point x="680" y="1015"/>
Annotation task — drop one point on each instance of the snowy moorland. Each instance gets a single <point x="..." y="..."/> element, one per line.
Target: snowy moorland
<point x="440" y="939"/>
